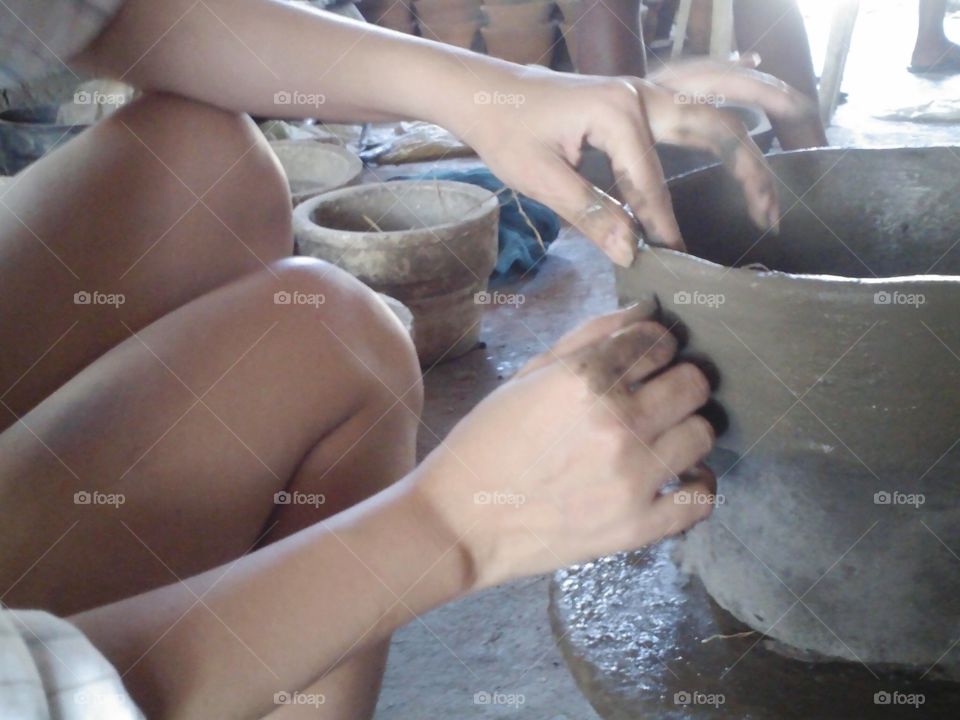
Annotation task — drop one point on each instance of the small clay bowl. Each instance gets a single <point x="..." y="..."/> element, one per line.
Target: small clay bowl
<point x="315" y="167"/>
<point x="459" y="34"/>
<point x="531" y="13"/>
<point x="524" y="45"/>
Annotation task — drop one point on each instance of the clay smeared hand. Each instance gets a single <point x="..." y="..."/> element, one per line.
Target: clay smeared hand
<point x="569" y="460"/>
<point x="534" y="142"/>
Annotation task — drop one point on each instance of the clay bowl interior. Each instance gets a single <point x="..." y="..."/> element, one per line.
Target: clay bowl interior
<point x="314" y="167"/>
<point x="523" y="45"/>
<point x="384" y="213"/>
<point x="526" y="14"/>
<point x="869" y="226"/>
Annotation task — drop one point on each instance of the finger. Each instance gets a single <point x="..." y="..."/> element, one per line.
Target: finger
<point x="679" y="509"/>
<point x="684" y="445"/>
<point x="723" y="134"/>
<point x="588" y="333"/>
<point x="742" y="85"/>
<point x="625" y="358"/>
<point x="669" y="398"/>
<point x="594" y="213"/>
<point x="629" y="144"/>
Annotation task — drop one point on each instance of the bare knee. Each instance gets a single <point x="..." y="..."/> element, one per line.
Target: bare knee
<point x="336" y="307"/>
<point x="220" y="158"/>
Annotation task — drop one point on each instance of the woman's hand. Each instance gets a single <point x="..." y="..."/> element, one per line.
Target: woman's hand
<point x="569" y="460"/>
<point x="531" y="132"/>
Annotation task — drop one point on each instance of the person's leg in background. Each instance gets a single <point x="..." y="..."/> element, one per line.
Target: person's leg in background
<point x="608" y="39"/>
<point x="775" y="29"/>
<point x="934" y="52"/>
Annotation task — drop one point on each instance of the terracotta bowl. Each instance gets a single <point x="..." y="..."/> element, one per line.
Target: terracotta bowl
<point x="431" y="244"/>
<point x="531" y="13"/>
<point x="460" y="34"/>
<point x="524" y="45"/>
<point x="314" y="167"/>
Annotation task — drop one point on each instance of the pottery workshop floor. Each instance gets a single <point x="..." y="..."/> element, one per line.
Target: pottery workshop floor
<point x="499" y="640"/>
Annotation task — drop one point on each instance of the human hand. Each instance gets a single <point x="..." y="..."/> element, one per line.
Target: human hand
<point x="568" y="461"/>
<point x="535" y="138"/>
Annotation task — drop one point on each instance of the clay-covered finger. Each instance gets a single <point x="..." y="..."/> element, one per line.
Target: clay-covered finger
<point x="625" y="358"/>
<point x="683" y="446"/>
<point x="669" y="398"/>
<point x="588" y="333"/>
<point x="593" y="212"/>
<point x="722" y="133"/>
<point x="639" y="176"/>
<point x="678" y="510"/>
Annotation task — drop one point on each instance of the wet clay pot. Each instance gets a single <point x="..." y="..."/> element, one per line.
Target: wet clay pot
<point x="431" y="244"/>
<point x="838" y="527"/>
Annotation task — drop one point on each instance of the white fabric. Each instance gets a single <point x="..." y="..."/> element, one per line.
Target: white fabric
<point x="50" y="671"/>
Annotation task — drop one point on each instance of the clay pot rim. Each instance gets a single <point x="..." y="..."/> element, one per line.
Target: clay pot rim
<point x="353" y="165"/>
<point x="487" y="203"/>
<point x="676" y="262"/>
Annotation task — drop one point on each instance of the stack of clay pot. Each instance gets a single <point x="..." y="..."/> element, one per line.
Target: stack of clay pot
<point x="393" y="14"/>
<point x="454" y="22"/>
<point x="521" y="31"/>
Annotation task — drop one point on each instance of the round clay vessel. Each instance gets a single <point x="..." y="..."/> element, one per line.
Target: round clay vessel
<point x="527" y="45"/>
<point x="314" y="167"/>
<point x="431" y="244"/>
<point x="525" y="14"/>
<point x="839" y="369"/>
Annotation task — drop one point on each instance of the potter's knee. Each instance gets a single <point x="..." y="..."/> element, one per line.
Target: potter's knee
<point x="333" y="303"/>
<point x="221" y="157"/>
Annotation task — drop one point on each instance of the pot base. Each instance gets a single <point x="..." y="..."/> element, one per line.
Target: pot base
<point x="644" y="640"/>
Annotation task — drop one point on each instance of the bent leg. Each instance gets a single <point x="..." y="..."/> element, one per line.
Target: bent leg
<point x="157" y="204"/>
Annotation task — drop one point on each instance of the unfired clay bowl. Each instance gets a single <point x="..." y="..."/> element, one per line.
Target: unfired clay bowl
<point x="431" y="244"/>
<point x="314" y="167"/>
<point x="839" y="530"/>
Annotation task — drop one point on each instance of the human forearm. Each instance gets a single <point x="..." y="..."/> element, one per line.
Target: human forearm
<point x="279" y="618"/>
<point x="238" y="54"/>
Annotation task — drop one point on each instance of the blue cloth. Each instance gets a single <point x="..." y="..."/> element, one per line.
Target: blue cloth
<point x="519" y="248"/>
